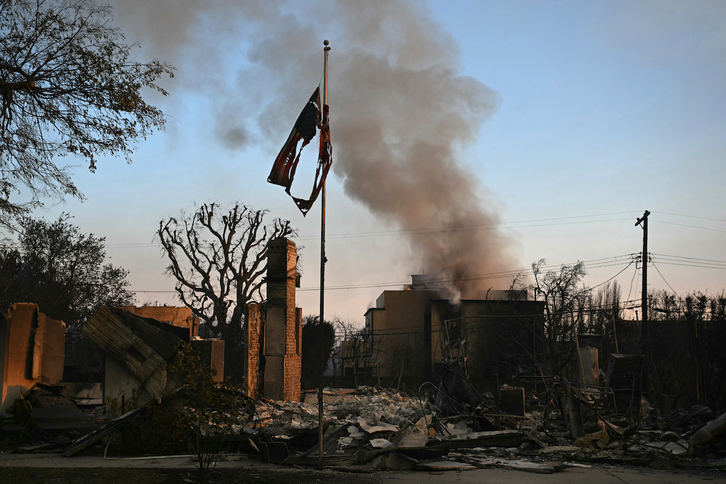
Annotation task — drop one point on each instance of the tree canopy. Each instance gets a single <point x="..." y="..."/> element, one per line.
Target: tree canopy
<point x="68" y="86"/>
<point x="62" y="270"/>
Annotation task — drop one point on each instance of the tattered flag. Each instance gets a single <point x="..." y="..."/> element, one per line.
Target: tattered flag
<point x="305" y="128"/>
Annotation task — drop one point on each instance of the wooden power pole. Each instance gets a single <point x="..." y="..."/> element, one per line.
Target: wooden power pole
<point x="644" y="261"/>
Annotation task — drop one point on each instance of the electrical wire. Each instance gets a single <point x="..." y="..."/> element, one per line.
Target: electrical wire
<point x="664" y="279"/>
<point x="616" y="275"/>
<point x="692" y="216"/>
<point x="432" y="230"/>
<point x="462" y="228"/>
<point x="689" y="226"/>
<point x="690" y="261"/>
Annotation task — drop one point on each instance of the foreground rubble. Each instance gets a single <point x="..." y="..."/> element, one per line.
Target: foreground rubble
<point x="371" y="429"/>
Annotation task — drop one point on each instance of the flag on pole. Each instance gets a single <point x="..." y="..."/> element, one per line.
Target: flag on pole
<point x="305" y="128"/>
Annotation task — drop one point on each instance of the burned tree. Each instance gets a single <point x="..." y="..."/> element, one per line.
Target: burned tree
<point x="67" y="87"/>
<point x="219" y="260"/>
<point x="564" y="302"/>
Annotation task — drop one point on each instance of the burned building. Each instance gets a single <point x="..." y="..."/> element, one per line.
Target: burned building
<point x="416" y="334"/>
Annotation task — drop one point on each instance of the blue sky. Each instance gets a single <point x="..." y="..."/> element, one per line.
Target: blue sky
<point x="604" y="110"/>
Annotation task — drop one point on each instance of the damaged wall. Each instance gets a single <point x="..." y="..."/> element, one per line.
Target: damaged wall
<point x="181" y="317"/>
<point x="138" y="350"/>
<point x="502" y="333"/>
<point x="32" y="348"/>
<point x="396" y="326"/>
<point x="283" y="324"/>
<point x="254" y="346"/>
<point x="273" y="335"/>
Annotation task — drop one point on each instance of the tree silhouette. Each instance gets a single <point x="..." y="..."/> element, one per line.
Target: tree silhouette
<point x="67" y="87"/>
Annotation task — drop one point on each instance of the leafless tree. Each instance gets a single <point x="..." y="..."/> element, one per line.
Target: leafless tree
<point x="219" y="260"/>
<point x="564" y="302"/>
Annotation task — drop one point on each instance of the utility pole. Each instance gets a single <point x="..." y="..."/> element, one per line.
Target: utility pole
<point x="644" y="261"/>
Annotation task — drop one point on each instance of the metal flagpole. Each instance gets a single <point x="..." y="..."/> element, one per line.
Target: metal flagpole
<point x="323" y="260"/>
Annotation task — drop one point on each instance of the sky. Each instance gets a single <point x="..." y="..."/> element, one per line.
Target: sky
<point x="488" y="134"/>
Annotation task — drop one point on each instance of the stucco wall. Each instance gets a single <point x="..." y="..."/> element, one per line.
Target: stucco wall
<point x="33" y="350"/>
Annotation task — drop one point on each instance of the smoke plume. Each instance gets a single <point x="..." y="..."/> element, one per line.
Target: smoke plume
<point x="400" y="110"/>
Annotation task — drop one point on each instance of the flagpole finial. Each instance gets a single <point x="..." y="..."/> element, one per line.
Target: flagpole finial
<point x="326" y="44"/>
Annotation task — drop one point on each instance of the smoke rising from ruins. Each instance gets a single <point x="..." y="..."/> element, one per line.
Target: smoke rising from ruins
<point x="400" y="110"/>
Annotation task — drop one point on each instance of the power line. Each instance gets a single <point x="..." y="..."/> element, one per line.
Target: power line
<point x="616" y="275"/>
<point x="635" y="273"/>
<point x="461" y="228"/>
<point x="664" y="279"/>
<point x="690" y="261"/>
<point x="690" y="226"/>
<point x="689" y="258"/>
<point x="692" y="216"/>
<point x="615" y="261"/>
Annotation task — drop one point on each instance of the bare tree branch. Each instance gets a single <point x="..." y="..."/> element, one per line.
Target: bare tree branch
<point x="219" y="260"/>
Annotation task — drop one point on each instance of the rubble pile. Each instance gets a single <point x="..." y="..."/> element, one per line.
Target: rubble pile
<point x="381" y="429"/>
<point x="375" y="429"/>
<point x="339" y="407"/>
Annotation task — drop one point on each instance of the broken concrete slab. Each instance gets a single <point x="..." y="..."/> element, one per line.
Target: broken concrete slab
<point x="414" y="439"/>
<point x="370" y="425"/>
<point x="380" y="443"/>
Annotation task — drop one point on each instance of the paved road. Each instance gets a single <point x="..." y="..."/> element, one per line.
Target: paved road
<point x="595" y="475"/>
<point x="612" y="475"/>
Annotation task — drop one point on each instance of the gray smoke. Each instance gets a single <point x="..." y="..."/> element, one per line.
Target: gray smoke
<point x="400" y="110"/>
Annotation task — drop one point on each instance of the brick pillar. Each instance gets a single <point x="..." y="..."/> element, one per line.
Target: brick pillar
<point x="254" y="324"/>
<point x="282" y="334"/>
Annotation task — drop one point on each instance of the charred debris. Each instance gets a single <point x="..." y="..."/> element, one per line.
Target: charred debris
<point x="372" y="428"/>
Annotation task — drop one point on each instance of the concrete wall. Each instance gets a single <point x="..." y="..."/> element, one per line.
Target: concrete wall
<point x="397" y="325"/>
<point x="54" y="349"/>
<point x="408" y="331"/>
<point x="33" y="349"/>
